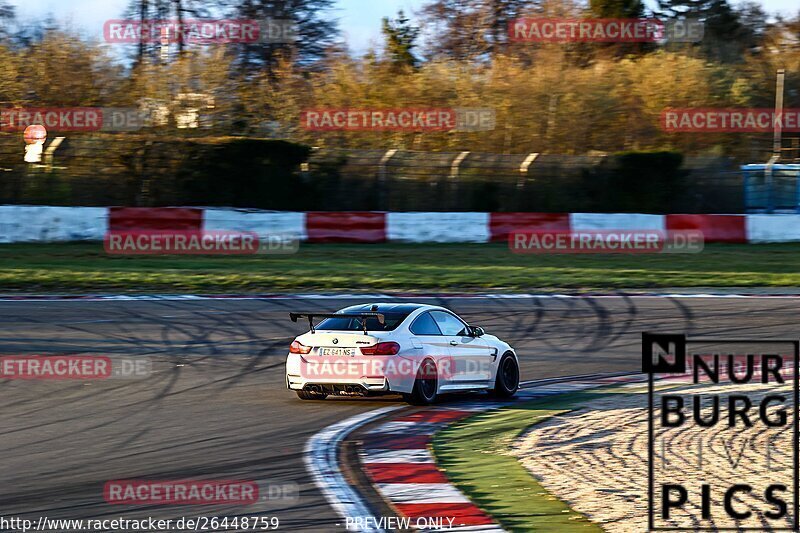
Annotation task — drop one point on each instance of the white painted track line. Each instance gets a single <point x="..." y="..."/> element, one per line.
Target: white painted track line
<point x="377" y="455"/>
<point x="321" y="458"/>
<point x="368" y="297"/>
<point x="408" y="428"/>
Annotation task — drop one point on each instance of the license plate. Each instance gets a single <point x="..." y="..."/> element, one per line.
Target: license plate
<point x="338" y="352"/>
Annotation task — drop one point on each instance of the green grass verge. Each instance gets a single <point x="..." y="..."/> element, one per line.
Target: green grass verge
<point x="435" y="267"/>
<point x="475" y="454"/>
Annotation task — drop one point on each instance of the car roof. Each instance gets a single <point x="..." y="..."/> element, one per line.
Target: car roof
<point x="401" y="308"/>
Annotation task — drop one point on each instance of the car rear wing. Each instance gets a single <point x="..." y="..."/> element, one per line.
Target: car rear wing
<point x="364" y="316"/>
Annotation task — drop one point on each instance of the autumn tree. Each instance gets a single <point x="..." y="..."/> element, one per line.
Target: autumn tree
<point x="315" y="31"/>
<point x="469" y="29"/>
<point x="171" y="10"/>
<point x="400" y="38"/>
<point x="6" y="18"/>
<point x="63" y="70"/>
<point x="726" y="38"/>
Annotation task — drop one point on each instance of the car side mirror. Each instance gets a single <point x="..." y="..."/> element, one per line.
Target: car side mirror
<point x="476" y="331"/>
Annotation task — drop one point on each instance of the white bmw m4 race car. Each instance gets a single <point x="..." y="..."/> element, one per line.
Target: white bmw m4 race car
<point x="419" y="351"/>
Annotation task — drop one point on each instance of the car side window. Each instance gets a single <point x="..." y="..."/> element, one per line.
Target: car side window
<point x="448" y="324"/>
<point x="424" y="325"/>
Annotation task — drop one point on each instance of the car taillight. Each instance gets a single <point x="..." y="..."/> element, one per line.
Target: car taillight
<point x="296" y="347"/>
<point x="382" y="348"/>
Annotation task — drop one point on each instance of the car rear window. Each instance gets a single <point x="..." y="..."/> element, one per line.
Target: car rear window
<point x="354" y="324"/>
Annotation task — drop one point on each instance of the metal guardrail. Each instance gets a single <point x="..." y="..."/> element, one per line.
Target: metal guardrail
<point x="127" y="170"/>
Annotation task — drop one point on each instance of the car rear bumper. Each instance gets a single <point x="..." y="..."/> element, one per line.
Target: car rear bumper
<point x="301" y="375"/>
<point x="362" y="388"/>
<point x="295" y="382"/>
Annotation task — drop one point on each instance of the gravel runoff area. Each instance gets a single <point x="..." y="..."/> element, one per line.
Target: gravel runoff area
<point x="595" y="459"/>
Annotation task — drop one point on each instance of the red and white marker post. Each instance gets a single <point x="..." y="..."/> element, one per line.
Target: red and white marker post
<point x="35" y="136"/>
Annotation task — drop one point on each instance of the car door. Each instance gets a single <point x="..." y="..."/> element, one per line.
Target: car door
<point x="428" y="341"/>
<point x="472" y="357"/>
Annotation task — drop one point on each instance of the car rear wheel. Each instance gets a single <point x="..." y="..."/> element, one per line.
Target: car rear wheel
<point x="304" y="395"/>
<point x="507" y="382"/>
<point x="425" y="385"/>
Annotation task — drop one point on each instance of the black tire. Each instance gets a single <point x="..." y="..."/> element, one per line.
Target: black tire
<point x="506" y="384"/>
<point x="425" y="385"/>
<point x="303" y="395"/>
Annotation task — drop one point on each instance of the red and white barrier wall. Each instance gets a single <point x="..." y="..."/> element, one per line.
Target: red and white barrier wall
<point x="54" y="224"/>
<point x="23" y="223"/>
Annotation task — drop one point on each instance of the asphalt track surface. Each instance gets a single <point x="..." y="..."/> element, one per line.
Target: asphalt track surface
<point x="215" y="406"/>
